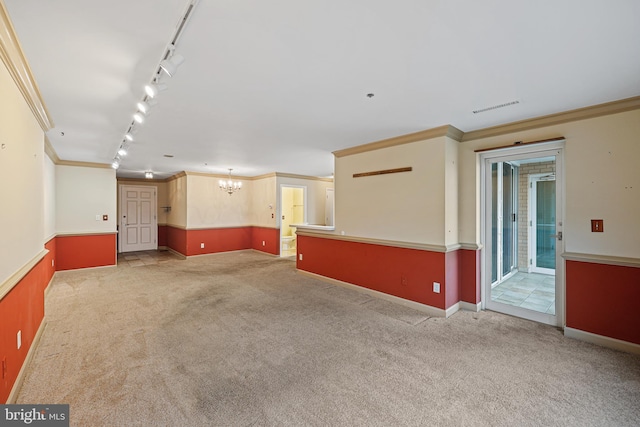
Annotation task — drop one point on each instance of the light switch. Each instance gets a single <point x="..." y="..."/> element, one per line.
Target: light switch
<point x="597" y="226"/>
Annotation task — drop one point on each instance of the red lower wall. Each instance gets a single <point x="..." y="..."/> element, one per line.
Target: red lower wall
<point x="603" y="299"/>
<point x="49" y="262"/>
<point x="270" y="237"/>
<point x="162" y="235"/>
<point x="188" y="242"/>
<point x="402" y="272"/>
<point x="470" y="290"/>
<point x="22" y="309"/>
<point x="83" y="251"/>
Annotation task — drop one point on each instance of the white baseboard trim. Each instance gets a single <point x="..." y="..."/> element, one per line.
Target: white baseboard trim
<point x="427" y="309"/>
<point x="176" y="253"/>
<point x="614" y="343"/>
<point x="470" y="307"/>
<point x="451" y="310"/>
<point x="32" y="350"/>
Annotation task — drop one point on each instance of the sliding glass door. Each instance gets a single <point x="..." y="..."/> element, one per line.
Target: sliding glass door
<point x="521" y="231"/>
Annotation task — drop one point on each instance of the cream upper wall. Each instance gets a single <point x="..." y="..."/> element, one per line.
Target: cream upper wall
<point x="264" y="202"/>
<point x="210" y="207"/>
<point x="316" y="196"/>
<point x="21" y="172"/>
<point x="406" y="206"/>
<point x="177" y="199"/>
<point x="81" y="194"/>
<point x="49" y="178"/>
<point x="602" y="182"/>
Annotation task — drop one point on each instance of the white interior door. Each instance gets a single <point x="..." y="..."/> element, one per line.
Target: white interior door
<point x="138" y="222"/>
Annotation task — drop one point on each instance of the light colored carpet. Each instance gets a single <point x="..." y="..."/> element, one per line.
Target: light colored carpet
<point x="241" y="339"/>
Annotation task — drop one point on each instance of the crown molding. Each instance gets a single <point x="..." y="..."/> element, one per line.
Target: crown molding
<point x="307" y="177"/>
<point x="176" y="176"/>
<point x="13" y="58"/>
<point x="83" y="164"/>
<point x="593" y="111"/>
<point x="447" y="130"/>
<point x="50" y="151"/>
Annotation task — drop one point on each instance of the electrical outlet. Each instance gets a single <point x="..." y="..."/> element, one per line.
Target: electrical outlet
<point x="19" y="339"/>
<point x="436" y="287"/>
<point x="300" y="257"/>
<point x="403" y="280"/>
<point x="97" y="217"/>
<point x="105" y="217"/>
<point x="201" y="245"/>
<point x="263" y="243"/>
<point x="53" y="262"/>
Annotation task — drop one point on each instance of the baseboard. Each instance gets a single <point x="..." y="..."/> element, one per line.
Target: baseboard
<point x="614" y="343"/>
<point x="32" y="350"/>
<point x="176" y="253"/>
<point x="451" y="310"/>
<point x="46" y="289"/>
<point x="470" y="306"/>
<point x="265" y="253"/>
<point x="427" y="309"/>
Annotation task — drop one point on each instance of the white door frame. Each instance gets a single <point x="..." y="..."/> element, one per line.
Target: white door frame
<point x="555" y="149"/>
<point x="122" y="221"/>
<point x="279" y="207"/>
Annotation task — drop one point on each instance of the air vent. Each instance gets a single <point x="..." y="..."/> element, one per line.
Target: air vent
<point x="495" y="107"/>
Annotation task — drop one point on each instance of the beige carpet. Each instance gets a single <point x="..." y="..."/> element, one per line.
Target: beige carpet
<point x="241" y="339"/>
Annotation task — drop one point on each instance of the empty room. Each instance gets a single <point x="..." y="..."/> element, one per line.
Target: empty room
<point x="319" y="213"/>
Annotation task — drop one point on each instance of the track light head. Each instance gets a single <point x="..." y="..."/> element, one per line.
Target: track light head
<point x="170" y="65"/>
<point x="153" y="89"/>
<point x="115" y="164"/>
<point x="128" y="136"/>
<point x="144" y="107"/>
<point x="138" y="117"/>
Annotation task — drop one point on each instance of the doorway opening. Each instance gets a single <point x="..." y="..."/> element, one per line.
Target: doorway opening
<point x="292" y="211"/>
<point x="522" y="208"/>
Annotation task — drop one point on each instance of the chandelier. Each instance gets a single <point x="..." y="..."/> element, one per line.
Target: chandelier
<point x="230" y="186"/>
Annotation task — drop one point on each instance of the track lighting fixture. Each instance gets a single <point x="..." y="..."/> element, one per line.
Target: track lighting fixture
<point x="144" y="107"/>
<point x="170" y="65"/>
<point x="153" y="89"/>
<point x="138" y="117"/>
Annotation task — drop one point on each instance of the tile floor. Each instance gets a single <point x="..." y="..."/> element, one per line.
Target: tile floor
<point x="140" y="258"/>
<point x="532" y="291"/>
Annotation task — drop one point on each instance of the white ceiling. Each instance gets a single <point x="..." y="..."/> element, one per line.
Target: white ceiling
<point x="277" y="86"/>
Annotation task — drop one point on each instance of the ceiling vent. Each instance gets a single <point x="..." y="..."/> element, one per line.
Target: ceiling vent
<point x="495" y="107"/>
